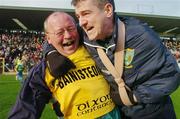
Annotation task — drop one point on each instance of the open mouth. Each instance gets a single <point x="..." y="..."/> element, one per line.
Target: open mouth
<point x="69" y="43"/>
<point x="89" y="29"/>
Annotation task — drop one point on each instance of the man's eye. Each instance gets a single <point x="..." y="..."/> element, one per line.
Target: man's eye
<point x="60" y="33"/>
<point x="71" y="29"/>
<point x="85" y="13"/>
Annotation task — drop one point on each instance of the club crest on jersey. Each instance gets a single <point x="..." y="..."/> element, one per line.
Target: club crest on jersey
<point x="129" y="55"/>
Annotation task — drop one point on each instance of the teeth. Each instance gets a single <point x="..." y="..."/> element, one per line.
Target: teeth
<point x="68" y="43"/>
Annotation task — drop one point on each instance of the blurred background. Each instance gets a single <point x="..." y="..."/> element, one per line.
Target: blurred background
<point x="22" y="36"/>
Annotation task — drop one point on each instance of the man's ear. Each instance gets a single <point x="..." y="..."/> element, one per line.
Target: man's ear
<point x="47" y="38"/>
<point x="108" y="9"/>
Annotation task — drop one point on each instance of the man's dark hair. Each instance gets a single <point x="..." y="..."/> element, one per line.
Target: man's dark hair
<point x="100" y="2"/>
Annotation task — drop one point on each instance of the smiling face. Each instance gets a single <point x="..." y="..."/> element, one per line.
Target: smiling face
<point x="96" y="21"/>
<point x="62" y="33"/>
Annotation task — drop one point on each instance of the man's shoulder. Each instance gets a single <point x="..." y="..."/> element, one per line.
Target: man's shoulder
<point x="134" y="25"/>
<point x="38" y="68"/>
<point x="36" y="75"/>
<point x="131" y="20"/>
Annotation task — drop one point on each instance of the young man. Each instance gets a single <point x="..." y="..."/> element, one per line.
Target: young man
<point x="150" y="70"/>
<point x="80" y="89"/>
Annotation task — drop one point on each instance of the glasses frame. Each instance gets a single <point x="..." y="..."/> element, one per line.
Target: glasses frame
<point x="62" y="31"/>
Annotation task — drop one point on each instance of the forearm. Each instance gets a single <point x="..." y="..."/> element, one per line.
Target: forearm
<point x="156" y="89"/>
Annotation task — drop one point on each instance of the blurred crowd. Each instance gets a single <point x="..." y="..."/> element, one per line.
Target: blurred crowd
<point x="27" y="46"/>
<point x="23" y="45"/>
<point x="174" y="47"/>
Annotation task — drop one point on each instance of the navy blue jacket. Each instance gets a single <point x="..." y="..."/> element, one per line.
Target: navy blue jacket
<point x="150" y="70"/>
<point x="33" y="96"/>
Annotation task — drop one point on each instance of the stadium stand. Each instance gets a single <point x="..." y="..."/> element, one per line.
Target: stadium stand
<point x="174" y="47"/>
<point x="20" y="44"/>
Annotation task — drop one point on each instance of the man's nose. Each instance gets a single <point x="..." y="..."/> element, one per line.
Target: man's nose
<point x="82" y="21"/>
<point x="67" y="34"/>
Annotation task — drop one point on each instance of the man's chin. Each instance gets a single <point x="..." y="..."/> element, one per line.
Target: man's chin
<point x="90" y="37"/>
<point x="70" y="52"/>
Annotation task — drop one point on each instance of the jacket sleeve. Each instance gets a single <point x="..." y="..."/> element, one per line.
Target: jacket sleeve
<point x="155" y="73"/>
<point x="32" y="97"/>
<point x="161" y="78"/>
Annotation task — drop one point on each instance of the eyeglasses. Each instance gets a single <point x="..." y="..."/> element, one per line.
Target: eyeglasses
<point x="62" y="31"/>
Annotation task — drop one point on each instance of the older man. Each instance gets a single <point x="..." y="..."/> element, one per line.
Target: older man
<point x="81" y="89"/>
